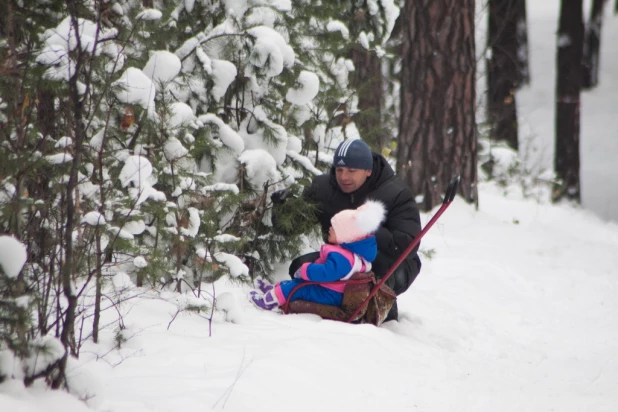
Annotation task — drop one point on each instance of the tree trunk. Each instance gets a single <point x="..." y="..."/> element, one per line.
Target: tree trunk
<point x="437" y="133"/>
<point x="367" y="80"/>
<point x="592" y="44"/>
<point x="46" y="114"/>
<point x="522" y="43"/>
<point x="67" y="336"/>
<point x="98" y="289"/>
<point x="503" y="71"/>
<point x="568" y="87"/>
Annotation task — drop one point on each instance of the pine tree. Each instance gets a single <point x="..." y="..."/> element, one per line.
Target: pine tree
<point x="143" y="141"/>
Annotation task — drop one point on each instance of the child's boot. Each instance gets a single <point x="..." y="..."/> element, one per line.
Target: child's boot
<point x="263" y="286"/>
<point x="267" y="301"/>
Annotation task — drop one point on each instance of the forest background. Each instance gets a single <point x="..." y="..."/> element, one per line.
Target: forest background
<point x="145" y="138"/>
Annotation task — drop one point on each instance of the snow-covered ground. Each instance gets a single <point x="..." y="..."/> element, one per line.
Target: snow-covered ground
<point x="515" y="311"/>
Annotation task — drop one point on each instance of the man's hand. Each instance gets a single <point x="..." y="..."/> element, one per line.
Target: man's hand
<point x="280" y="196"/>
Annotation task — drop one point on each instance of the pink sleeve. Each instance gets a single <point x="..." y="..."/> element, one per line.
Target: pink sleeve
<point x="303" y="271"/>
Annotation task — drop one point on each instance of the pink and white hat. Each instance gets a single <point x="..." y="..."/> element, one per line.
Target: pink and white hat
<point x="351" y="225"/>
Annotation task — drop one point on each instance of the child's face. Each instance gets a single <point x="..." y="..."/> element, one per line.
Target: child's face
<point x="332" y="237"/>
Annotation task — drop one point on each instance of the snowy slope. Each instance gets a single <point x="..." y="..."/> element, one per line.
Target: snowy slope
<point x="516" y="311"/>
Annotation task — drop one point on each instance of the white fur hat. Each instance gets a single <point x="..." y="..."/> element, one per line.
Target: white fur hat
<point x="351" y="225"/>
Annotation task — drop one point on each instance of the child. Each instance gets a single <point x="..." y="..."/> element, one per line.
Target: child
<point x="351" y="248"/>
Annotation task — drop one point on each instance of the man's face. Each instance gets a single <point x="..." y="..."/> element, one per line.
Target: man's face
<point x="350" y="180"/>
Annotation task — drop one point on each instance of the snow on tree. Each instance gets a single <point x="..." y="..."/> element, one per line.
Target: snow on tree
<point x="12" y="256"/>
<point x="157" y="137"/>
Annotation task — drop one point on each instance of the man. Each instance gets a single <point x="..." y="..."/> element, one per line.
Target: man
<point x="358" y="174"/>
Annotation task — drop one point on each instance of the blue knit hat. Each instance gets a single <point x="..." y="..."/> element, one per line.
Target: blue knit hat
<point x="354" y="154"/>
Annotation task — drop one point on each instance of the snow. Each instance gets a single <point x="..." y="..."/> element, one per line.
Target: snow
<point x="227" y="135"/>
<point x="140" y="262"/>
<point x="281" y="5"/>
<point x="174" y="150"/>
<point x="223" y="73"/>
<point x="64" y="142"/>
<point x="10" y="365"/>
<point x="189" y="5"/>
<point x="96" y="142"/>
<point x="309" y="86"/>
<point x="364" y="40"/>
<point x="63" y="35"/>
<point x="59" y="158"/>
<point x="136" y="170"/>
<point x="135" y="227"/>
<point x="47" y="350"/>
<point x="7" y="191"/>
<point x="233" y="263"/>
<point x="135" y="87"/>
<point x="221" y="187"/>
<point x="94" y="218"/>
<point x="149" y="14"/>
<point x="391" y="13"/>
<point x="62" y="39"/>
<point x="270" y="50"/>
<point x="15" y="397"/>
<point x="226" y="238"/>
<point x="305" y="162"/>
<point x="162" y="66"/>
<point x="336" y="25"/>
<point x="516" y="310"/>
<point x="52" y="55"/>
<point x="121" y="233"/>
<point x="260" y="167"/>
<point x="13" y="255"/>
<point x="182" y="115"/>
<point x="194" y="223"/>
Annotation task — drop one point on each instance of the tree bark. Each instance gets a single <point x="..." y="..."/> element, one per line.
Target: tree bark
<point x="98" y="289"/>
<point x="46" y="114"/>
<point x="67" y="336"/>
<point x="592" y="44"/>
<point x="522" y="42"/>
<point x="568" y="87"/>
<point x="504" y="73"/>
<point x="367" y="80"/>
<point x="437" y="134"/>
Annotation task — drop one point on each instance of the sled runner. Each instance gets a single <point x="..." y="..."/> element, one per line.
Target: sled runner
<point x="365" y="299"/>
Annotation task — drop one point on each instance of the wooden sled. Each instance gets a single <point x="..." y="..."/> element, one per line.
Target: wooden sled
<point x="356" y="295"/>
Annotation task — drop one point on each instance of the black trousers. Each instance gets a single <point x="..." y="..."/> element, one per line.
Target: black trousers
<point x="399" y="281"/>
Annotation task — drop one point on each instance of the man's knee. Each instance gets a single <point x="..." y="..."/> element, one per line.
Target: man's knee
<point x="402" y="278"/>
<point x="398" y="281"/>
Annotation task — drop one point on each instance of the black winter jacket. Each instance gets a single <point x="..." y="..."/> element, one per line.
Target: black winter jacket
<point x="402" y="223"/>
